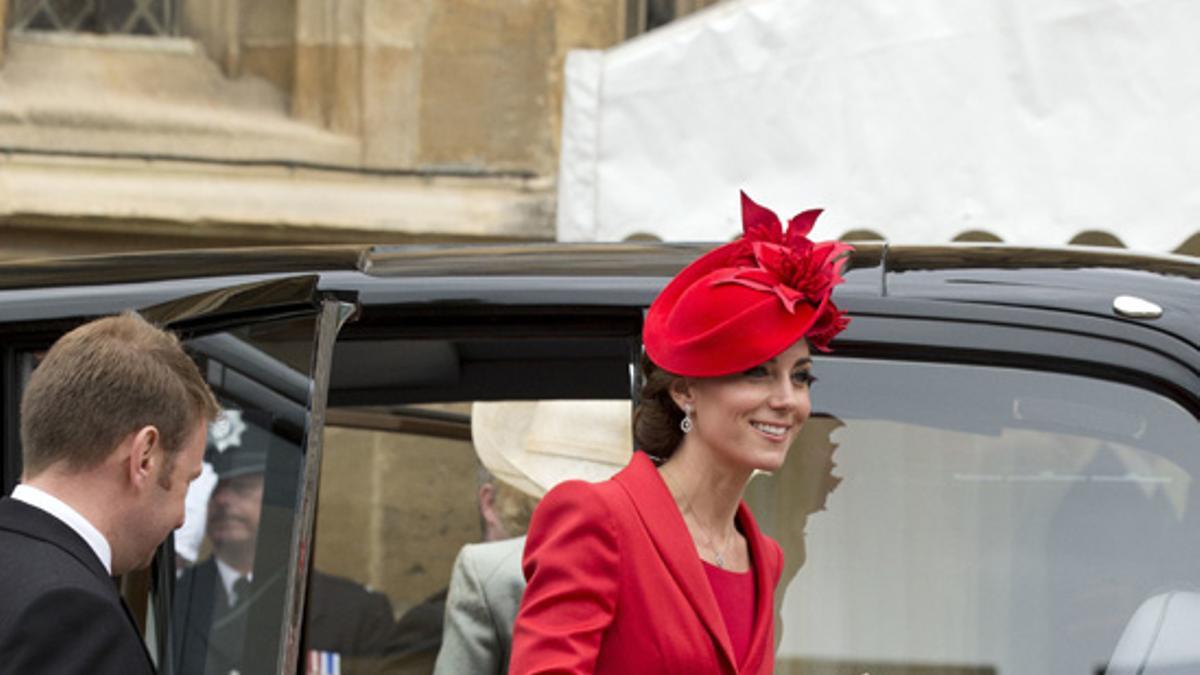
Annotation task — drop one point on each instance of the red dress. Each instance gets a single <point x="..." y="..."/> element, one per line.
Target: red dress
<point x="735" y="596"/>
<point x="615" y="586"/>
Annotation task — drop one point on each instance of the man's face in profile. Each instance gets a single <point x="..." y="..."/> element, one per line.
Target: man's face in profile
<point x="234" y="510"/>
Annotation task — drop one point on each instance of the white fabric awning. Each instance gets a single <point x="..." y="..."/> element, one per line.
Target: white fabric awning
<point x="1033" y="120"/>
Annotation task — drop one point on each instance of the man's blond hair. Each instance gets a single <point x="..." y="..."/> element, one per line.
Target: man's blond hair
<point x="103" y="381"/>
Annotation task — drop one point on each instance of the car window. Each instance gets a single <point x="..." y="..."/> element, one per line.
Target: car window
<point x="400" y="487"/>
<point x="942" y="518"/>
<point x="230" y="602"/>
<point x="395" y="508"/>
<point x="19" y="365"/>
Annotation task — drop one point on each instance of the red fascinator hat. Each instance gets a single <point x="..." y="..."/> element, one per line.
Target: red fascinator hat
<point x="745" y="302"/>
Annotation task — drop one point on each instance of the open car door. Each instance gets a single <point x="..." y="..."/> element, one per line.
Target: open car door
<point x="265" y="349"/>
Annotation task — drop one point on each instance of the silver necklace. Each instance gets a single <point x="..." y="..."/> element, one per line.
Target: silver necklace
<point x="718" y="554"/>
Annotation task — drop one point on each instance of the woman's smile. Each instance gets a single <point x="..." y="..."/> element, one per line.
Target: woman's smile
<point x="775" y="432"/>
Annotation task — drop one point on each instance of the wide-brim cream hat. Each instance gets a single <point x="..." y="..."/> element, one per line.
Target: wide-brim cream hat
<point x="535" y="445"/>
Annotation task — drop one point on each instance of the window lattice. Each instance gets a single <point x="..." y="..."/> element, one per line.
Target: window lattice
<point x="130" y="17"/>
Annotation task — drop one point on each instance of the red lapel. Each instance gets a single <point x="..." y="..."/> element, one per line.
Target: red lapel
<point x="762" y="638"/>
<point x="664" y="523"/>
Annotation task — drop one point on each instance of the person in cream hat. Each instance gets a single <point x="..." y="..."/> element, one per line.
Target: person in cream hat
<point x="535" y="445"/>
<point x="528" y="447"/>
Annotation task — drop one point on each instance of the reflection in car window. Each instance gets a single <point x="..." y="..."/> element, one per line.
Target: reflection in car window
<point x="228" y="604"/>
<point x="213" y="596"/>
<point x="394" y="509"/>
<point x="977" y="520"/>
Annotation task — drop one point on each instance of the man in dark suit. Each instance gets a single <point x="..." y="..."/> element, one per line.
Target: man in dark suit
<point x="345" y="622"/>
<point x="112" y="431"/>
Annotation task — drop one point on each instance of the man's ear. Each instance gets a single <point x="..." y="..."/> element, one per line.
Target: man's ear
<point x="487" y="505"/>
<point x="489" y="513"/>
<point x="144" y="454"/>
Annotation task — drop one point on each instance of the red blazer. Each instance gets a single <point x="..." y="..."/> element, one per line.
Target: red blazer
<point x="616" y="586"/>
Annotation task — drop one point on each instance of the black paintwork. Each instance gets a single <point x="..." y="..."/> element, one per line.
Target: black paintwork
<point x="1051" y="307"/>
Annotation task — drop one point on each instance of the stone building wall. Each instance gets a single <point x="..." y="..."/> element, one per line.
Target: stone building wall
<point x="308" y="121"/>
<point x="269" y="121"/>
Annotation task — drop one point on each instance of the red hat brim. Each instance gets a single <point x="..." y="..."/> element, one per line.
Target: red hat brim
<point x="745" y="302"/>
<point x="697" y="328"/>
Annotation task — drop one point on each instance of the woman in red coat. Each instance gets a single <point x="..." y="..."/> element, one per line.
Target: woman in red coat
<point x="662" y="569"/>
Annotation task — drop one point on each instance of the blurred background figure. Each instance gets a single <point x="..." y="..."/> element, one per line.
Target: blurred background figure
<point x="525" y="448"/>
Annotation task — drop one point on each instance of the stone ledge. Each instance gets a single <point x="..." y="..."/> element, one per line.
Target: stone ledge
<point x="149" y="96"/>
<point x="268" y="204"/>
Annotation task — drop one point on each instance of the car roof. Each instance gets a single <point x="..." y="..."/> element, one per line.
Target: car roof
<point x="1071" y="279"/>
<point x="542" y="259"/>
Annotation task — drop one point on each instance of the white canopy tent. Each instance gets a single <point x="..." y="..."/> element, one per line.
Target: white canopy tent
<point x="1032" y="120"/>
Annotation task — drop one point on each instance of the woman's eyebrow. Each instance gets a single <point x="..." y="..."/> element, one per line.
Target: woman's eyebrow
<point x="806" y="361"/>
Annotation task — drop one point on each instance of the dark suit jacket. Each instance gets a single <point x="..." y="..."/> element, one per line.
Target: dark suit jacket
<point x="342" y="617"/>
<point x="60" y="612"/>
<point x="207" y="635"/>
<point x="616" y="586"/>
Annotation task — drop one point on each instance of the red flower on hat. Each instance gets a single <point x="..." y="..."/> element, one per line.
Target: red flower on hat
<point x="790" y="265"/>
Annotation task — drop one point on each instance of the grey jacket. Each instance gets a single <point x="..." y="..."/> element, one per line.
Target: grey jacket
<point x="485" y="593"/>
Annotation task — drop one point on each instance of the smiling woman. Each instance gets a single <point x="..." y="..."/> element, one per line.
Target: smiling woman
<point x="662" y="568"/>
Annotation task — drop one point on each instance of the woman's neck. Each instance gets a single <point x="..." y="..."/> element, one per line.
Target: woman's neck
<point x="709" y="490"/>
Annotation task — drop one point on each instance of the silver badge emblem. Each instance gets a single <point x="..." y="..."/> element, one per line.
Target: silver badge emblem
<point x="226" y="431"/>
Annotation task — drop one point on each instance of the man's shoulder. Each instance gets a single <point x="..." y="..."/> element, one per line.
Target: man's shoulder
<point x="495" y="563"/>
<point x="20" y="518"/>
<point x="30" y="562"/>
<point x="34" y="572"/>
<point x="495" y="550"/>
<point x="201" y="577"/>
<point x="31" y="534"/>
<point x="202" y="570"/>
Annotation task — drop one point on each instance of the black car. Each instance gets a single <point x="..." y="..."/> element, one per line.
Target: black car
<point x="1000" y="474"/>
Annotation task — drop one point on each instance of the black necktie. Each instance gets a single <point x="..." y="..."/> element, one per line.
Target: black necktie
<point x="241" y="591"/>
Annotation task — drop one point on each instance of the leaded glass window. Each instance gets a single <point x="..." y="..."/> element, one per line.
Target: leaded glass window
<point x="130" y="17"/>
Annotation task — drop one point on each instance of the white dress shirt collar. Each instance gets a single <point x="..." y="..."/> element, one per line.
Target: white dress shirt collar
<point x="73" y="519"/>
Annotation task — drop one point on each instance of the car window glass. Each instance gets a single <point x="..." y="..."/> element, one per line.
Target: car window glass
<point x="232" y="554"/>
<point x="19" y="367"/>
<point x="400" y="491"/>
<point x="395" y="508"/>
<point x="942" y="518"/>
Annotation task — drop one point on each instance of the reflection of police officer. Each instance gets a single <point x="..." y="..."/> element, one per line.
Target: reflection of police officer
<point x="344" y="620"/>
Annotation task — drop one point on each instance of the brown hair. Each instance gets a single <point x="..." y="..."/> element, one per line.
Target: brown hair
<point x="103" y="381"/>
<point x="656" y="419"/>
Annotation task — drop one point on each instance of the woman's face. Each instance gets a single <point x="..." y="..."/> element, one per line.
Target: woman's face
<point x="748" y="420"/>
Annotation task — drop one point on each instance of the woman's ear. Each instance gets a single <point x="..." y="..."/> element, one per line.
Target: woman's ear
<point x="681" y="392"/>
